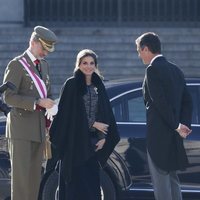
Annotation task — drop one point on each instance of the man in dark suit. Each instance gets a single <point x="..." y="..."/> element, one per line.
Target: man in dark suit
<point x="26" y="123"/>
<point x="169" y="112"/>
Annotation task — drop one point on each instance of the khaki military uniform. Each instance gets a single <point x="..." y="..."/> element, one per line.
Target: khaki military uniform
<point x="25" y="128"/>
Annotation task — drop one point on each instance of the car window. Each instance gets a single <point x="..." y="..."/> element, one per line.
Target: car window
<point x="129" y="108"/>
<point x="117" y="111"/>
<point x="136" y="110"/>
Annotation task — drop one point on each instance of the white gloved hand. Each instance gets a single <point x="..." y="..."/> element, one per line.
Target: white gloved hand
<point x="50" y="112"/>
<point x="49" y="117"/>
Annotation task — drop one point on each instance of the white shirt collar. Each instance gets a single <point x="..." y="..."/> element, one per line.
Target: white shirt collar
<point x="31" y="56"/>
<point x="159" y="55"/>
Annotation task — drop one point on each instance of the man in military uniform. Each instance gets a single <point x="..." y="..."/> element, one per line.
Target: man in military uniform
<point x="26" y="123"/>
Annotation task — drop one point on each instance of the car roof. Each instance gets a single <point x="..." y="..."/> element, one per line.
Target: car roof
<point x="115" y="87"/>
<point x="193" y="80"/>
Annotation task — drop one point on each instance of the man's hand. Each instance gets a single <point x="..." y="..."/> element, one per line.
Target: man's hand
<point x="183" y="130"/>
<point x="45" y="103"/>
<point x="51" y="112"/>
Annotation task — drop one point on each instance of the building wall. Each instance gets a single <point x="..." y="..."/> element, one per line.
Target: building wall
<point x="11" y="12"/>
<point x="118" y="58"/>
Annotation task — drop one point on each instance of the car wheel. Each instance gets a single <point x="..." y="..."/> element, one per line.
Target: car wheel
<point x="48" y="190"/>
<point x="4" y="184"/>
<point x="3" y="173"/>
<point x="50" y="184"/>
<point x="108" y="191"/>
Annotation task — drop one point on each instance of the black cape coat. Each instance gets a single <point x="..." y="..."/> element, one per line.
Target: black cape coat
<point x="69" y="132"/>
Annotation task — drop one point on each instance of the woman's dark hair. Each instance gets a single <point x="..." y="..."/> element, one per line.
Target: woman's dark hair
<point x="84" y="53"/>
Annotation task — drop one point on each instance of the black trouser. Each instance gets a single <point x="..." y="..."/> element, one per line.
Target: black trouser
<point x="85" y="183"/>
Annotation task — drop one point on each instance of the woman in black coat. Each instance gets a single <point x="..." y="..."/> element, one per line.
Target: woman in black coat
<point x="84" y="132"/>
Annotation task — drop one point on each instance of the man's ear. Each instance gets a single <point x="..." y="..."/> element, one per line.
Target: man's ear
<point x="33" y="43"/>
<point x="146" y="49"/>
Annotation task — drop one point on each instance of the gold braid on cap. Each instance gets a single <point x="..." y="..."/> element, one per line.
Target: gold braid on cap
<point x="49" y="47"/>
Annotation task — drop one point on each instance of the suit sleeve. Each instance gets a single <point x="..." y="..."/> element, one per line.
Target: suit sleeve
<point x="186" y="108"/>
<point x="159" y="99"/>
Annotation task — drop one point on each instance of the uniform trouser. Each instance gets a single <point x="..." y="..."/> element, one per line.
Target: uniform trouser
<point x="26" y="159"/>
<point x="166" y="184"/>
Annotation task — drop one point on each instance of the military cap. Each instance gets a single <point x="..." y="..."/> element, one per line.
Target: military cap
<point x="46" y="37"/>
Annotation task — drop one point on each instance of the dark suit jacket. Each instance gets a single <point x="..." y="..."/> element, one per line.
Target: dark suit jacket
<point x="168" y="103"/>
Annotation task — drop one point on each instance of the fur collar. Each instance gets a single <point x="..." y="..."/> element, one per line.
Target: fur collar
<point x="81" y="82"/>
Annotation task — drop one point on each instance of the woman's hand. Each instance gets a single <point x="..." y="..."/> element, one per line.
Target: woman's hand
<point x="101" y="127"/>
<point x="100" y="144"/>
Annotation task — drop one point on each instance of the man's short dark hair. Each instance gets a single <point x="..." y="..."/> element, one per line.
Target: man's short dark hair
<point x="150" y="40"/>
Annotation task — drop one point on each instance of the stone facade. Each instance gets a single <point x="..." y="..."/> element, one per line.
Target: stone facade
<point x="11" y="12"/>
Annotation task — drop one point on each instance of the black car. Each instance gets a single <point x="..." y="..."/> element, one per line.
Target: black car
<point x="4" y="162"/>
<point x="126" y="174"/>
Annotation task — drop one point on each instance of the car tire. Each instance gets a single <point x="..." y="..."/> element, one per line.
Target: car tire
<point x="49" y="187"/>
<point x="3" y="173"/>
<point x="108" y="191"/>
<point x="50" y="184"/>
<point x="4" y="184"/>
